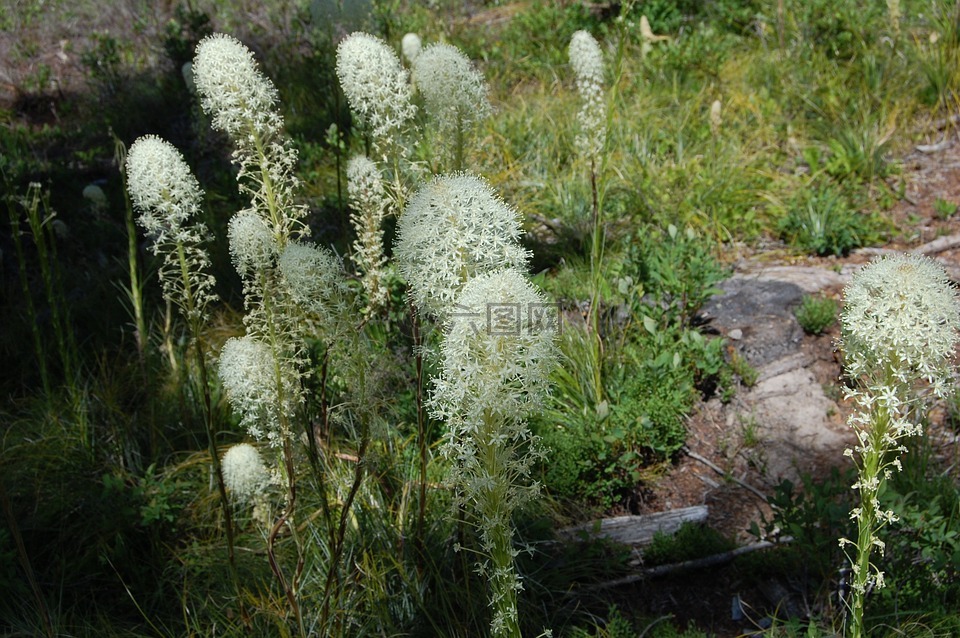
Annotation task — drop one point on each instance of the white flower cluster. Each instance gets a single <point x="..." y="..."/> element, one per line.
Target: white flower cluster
<point x="253" y="247"/>
<point x="453" y="229"/>
<point x="497" y="352"/>
<point x="369" y="200"/>
<point x="901" y="314"/>
<point x="454" y="93"/>
<point x="313" y="278"/>
<point x="260" y="388"/>
<point x="587" y="62"/>
<point x="375" y="84"/>
<point x="244" y="473"/>
<point x="243" y="103"/>
<point x="168" y="197"/>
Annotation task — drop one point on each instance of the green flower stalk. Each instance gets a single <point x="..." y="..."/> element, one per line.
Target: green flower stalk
<point x="497" y="355"/>
<point x="370" y="203"/>
<point x="899" y="331"/>
<point x="455" y="228"/>
<point x="454" y="95"/>
<point x="586" y="58"/>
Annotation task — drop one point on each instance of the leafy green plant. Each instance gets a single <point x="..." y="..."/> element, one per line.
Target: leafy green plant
<point x="822" y="222"/>
<point x="944" y="209"/>
<point x="816" y="313"/>
<point x="689" y="542"/>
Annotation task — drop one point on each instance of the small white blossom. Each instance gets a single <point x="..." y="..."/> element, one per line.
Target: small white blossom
<point x="454" y="228"/>
<point x="253" y="246"/>
<point x="244" y="473"/>
<point x="260" y="388"/>
<point x="313" y="277"/>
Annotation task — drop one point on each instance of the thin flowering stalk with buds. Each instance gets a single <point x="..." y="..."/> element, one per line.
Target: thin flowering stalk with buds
<point x="168" y="197"/>
<point x="369" y="200"/>
<point x="899" y="332"/>
<point x="586" y="58"/>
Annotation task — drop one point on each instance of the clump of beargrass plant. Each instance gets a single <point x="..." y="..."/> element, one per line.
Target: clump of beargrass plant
<point x="899" y="333"/>
<point x="290" y="288"/>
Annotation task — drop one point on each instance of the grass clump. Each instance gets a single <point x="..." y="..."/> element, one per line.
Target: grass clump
<point x="816" y="313"/>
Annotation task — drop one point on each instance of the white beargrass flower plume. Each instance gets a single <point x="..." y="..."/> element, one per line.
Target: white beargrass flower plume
<point x="370" y="203"/>
<point x="586" y="58"/>
<point x="497" y="355"/>
<point x="261" y="390"/>
<point x="243" y="104"/>
<point x="454" y="94"/>
<point x="900" y="327"/>
<point x="245" y="474"/>
<point x="453" y="229"/>
<point x="376" y="86"/>
<point x="253" y="247"/>
<point x="314" y="281"/>
<point x="168" y="197"/>
<point x="410" y="46"/>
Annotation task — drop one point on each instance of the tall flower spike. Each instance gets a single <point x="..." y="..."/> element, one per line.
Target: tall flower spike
<point x="587" y="62"/>
<point x="454" y="93"/>
<point x="370" y="202"/>
<point x="455" y="228"/>
<point x="168" y="197"/>
<point x="377" y="87"/>
<point x="243" y="103"/>
<point x="496" y="355"/>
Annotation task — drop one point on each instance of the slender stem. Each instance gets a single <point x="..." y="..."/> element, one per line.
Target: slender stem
<point x="421" y="432"/>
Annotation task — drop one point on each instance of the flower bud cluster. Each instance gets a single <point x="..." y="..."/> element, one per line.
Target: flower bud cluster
<point x="586" y="59"/>
<point x="369" y="200"/>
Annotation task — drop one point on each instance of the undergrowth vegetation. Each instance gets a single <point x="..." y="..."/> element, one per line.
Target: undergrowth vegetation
<point x="328" y="325"/>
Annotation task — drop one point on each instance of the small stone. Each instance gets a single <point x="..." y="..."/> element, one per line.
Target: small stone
<point x="736" y="334"/>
